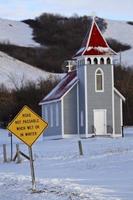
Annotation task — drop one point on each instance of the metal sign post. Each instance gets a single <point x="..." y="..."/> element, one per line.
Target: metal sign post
<point x="11" y="148"/>
<point x="32" y="169"/>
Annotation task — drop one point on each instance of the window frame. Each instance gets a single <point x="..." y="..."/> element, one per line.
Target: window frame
<point x="46" y="113"/>
<point x="89" y="61"/>
<point x="102" y="62"/>
<point x="95" y="61"/>
<point x="57" y="114"/>
<point x="102" y="74"/>
<point x="81" y="118"/>
<point x="108" y="61"/>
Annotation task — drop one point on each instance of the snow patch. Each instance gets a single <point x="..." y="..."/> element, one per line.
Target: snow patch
<point x="16" y="32"/>
<point x="123" y="33"/>
<point x="14" y="73"/>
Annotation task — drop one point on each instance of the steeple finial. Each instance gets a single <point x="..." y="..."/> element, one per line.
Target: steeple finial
<point x="93" y="15"/>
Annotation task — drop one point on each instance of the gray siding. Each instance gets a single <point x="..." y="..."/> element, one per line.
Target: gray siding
<point x="81" y="77"/>
<point x="117" y="114"/>
<point x="54" y="126"/>
<point x="70" y="111"/>
<point x="95" y="100"/>
<point x="99" y="100"/>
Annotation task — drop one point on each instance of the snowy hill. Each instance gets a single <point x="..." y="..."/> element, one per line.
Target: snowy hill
<point x="14" y="73"/>
<point x="20" y="33"/>
<point x="122" y="32"/>
<point x="16" y="32"/>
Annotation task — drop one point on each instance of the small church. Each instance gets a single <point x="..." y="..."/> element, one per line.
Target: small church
<point x="85" y="103"/>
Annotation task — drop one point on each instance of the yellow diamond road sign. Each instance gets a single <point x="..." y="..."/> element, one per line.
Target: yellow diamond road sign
<point x="27" y="126"/>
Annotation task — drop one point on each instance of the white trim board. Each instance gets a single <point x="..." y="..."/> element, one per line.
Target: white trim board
<point x="121" y="112"/>
<point x="62" y="117"/>
<point x="47" y="102"/>
<point x="119" y="94"/>
<point x="113" y="105"/>
<point x="86" y="102"/>
<point x="78" y="107"/>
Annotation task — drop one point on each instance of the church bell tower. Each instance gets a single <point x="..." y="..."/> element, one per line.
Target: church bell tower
<point x="96" y="84"/>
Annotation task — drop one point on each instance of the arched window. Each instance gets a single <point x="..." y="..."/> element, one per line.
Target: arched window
<point x="99" y="80"/>
<point x="89" y="61"/>
<point x="108" y="61"/>
<point x="95" y="61"/>
<point x="102" y="61"/>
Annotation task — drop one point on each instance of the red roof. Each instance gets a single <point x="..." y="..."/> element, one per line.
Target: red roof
<point x="96" y="38"/>
<point x="94" y="43"/>
<point x="64" y="85"/>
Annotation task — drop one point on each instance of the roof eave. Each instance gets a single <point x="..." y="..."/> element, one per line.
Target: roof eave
<point x="49" y="101"/>
<point x="58" y="99"/>
<point x="119" y="94"/>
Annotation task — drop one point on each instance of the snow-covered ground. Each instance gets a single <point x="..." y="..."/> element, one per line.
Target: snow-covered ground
<point x="123" y="33"/>
<point x="14" y="73"/>
<point x="16" y="32"/>
<point x="104" y="172"/>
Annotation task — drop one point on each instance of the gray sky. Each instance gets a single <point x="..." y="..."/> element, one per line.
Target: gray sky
<point x="23" y="9"/>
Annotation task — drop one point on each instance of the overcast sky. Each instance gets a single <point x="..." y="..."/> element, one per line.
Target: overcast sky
<point x="24" y="9"/>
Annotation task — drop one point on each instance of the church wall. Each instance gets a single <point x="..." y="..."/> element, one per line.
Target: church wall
<point x="70" y="111"/>
<point x="117" y="114"/>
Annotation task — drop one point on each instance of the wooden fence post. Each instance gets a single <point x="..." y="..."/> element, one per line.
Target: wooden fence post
<point x="80" y="148"/>
<point x="4" y="153"/>
<point x="32" y="169"/>
<point x="18" y="154"/>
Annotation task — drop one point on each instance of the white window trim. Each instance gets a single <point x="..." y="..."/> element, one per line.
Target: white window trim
<point x="102" y="80"/>
<point x="57" y="114"/>
<point x="46" y="113"/>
